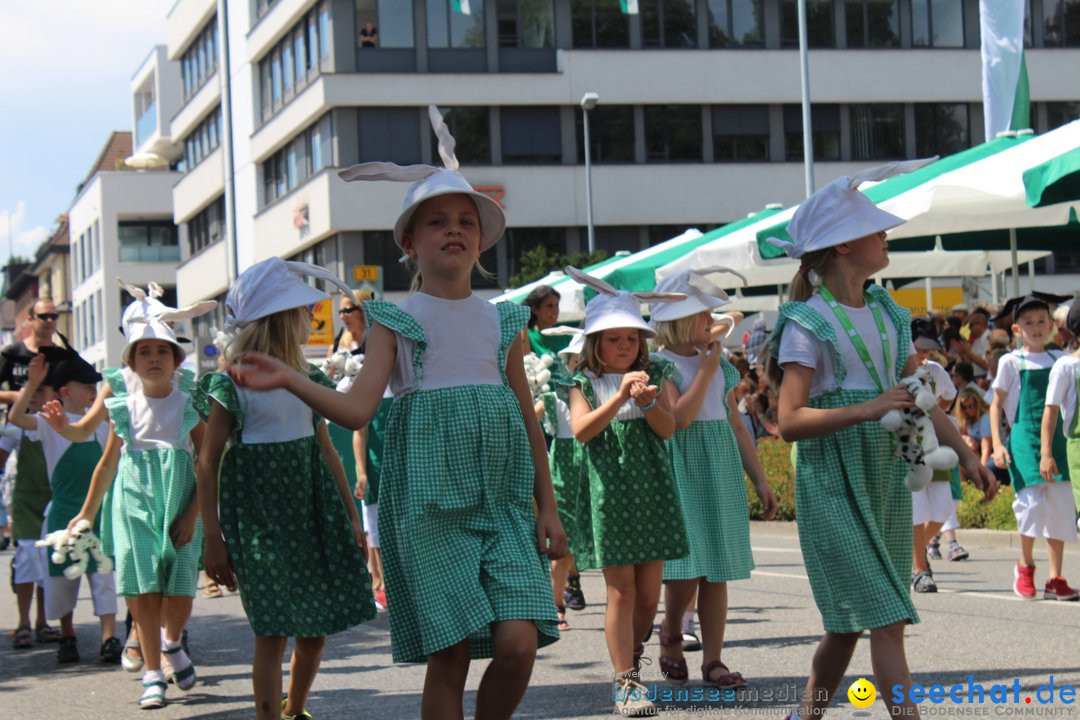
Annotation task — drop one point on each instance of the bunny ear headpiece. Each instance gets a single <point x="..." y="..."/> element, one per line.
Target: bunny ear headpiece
<point x="147" y="318"/>
<point x="839" y="213"/>
<point x="577" y="343"/>
<point x="430" y="181"/>
<point x="613" y="308"/>
<point x="274" y="285"/>
<point x="702" y="293"/>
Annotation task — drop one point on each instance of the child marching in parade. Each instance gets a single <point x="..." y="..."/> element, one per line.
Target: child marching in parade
<point x="836" y="353"/>
<point x="281" y="473"/>
<point x="620" y="409"/>
<point x="464" y="456"/>
<point x="1063" y="397"/>
<point x="709" y="455"/>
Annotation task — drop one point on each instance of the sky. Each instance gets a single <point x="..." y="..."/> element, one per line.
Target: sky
<point x="65" y="84"/>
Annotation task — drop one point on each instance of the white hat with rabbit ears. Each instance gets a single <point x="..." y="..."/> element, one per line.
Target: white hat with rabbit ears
<point x="577" y="340"/>
<point x="274" y="285"/>
<point x="839" y="212"/>
<point x="701" y="293"/>
<point x="147" y="318"/>
<point x="430" y="181"/>
<point x="613" y="308"/>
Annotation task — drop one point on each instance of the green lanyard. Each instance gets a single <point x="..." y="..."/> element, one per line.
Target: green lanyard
<point x="853" y="334"/>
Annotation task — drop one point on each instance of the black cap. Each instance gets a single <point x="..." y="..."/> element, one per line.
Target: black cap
<point x="67" y="366"/>
<point x="924" y="334"/>
<point x="1033" y="299"/>
<point x="1072" y="320"/>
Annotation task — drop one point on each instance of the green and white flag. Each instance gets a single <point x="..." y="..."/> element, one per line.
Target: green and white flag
<point x="629" y="7"/>
<point x="461" y="6"/>
<point x="1006" y="97"/>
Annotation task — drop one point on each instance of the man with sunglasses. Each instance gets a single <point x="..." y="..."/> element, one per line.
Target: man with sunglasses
<point x="32" y="492"/>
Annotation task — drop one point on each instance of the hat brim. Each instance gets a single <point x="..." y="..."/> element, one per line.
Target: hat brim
<point x="148" y="331"/>
<point x="492" y="219"/>
<point x="692" y="305"/>
<point x="613" y="320"/>
<point x="868" y="221"/>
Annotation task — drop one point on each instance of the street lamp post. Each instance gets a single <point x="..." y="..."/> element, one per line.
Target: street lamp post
<point x="588" y="102"/>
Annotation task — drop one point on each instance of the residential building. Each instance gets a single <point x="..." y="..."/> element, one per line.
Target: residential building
<point x="698" y="120"/>
<point x="19" y="292"/>
<point x="52" y="267"/>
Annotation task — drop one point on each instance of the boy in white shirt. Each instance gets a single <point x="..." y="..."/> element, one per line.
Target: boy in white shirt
<point x="1062" y="399"/>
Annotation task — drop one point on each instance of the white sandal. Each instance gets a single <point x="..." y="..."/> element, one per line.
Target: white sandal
<point x="153" y="694"/>
<point x="131" y="664"/>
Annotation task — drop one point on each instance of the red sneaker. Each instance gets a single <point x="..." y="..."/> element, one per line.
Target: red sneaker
<point x="1025" y="581"/>
<point x="380" y="598"/>
<point x="1058" y="589"/>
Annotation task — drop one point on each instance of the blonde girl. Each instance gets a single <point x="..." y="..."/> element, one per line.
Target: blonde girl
<point x="709" y="456"/>
<point x="464" y="456"/>
<point x="836" y="352"/>
<point x="282" y="524"/>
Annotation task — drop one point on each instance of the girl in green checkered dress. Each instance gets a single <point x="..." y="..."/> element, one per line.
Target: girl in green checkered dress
<point x="464" y="555"/>
<point x="709" y="454"/>
<point x="279" y="517"/>
<point x="836" y="353"/>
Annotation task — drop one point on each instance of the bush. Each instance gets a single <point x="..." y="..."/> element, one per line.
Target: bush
<point x="995" y="515"/>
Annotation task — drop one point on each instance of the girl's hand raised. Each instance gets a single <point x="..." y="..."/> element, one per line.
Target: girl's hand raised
<point x="895" y="398"/>
<point x="643" y="394"/>
<point x="37" y="370"/>
<point x="710" y="357"/>
<point x="260" y="372"/>
<point x="628" y="381"/>
<point x="53" y="413"/>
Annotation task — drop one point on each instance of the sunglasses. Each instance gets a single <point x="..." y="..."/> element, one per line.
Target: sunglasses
<point x="47" y="316"/>
<point x="348" y="311"/>
<point x="969" y="405"/>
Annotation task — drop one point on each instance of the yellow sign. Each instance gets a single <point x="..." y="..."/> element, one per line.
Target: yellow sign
<point x="914" y="299"/>
<point x="366" y="273"/>
<point x="322" y="324"/>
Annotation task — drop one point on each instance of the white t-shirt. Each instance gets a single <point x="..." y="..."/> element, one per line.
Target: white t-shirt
<point x="1008" y="376"/>
<point x="272" y="416"/>
<point x="1062" y="388"/>
<point x="156" y="422"/>
<point x="54" y="445"/>
<point x="562" y="430"/>
<point x="462" y="344"/>
<point x="715" y="405"/>
<point x="799" y="345"/>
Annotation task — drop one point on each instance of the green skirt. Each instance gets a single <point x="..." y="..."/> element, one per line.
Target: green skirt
<point x="712" y="493"/>
<point x="854" y="517"/>
<point x="570" y="483"/>
<point x="290" y="542"/>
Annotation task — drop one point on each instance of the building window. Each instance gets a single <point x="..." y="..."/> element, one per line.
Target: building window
<point x="820" y="23"/>
<point x="740" y="133"/>
<point x="1061" y="22"/>
<point x="530" y="135"/>
<point x="203" y="140"/>
<point x="384" y="23"/>
<point x="824" y="125"/>
<point x="207" y="227"/>
<point x="263" y="6"/>
<point x="146" y="117"/>
<point x="200" y="60"/>
<point x="307" y="153"/>
<point x="611" y="134"/>
<point x="148" y="241"/>
<point x="599" y="24"/>
<point x="734" y="23"/>
<point x="672" y="133"/>
<point x="941" y="128"/>
<point x="526" y="23"/>
<point x="872" y="23"/>
<point x="668" y="23"/>
<point x="937" y="23"/>
<point x="295" y="61"/>
<point x="450" y="29"/>
<point x="1060" y="113"/>
<point x="471" y="128"/>
<point x="877" y="132"/>
<point x="391" y="134"/>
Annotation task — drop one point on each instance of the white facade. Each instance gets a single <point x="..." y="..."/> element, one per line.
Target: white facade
<point x="155" y="97"/>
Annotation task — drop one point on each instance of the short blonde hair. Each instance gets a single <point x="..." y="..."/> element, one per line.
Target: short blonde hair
<point x="590" y="355"/>
<point x="280" y="335"/>
<point x="675" y="332"/>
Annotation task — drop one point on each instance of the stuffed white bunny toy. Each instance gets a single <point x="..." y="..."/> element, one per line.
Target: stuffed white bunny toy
<point x="538" y="372"/>
<point x="78" y="546"/>
<point x="915" y="431"/>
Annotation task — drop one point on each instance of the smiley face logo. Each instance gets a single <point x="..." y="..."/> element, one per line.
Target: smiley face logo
<point x="862" y="693"/>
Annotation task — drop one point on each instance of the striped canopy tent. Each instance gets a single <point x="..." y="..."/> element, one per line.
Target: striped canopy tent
<point x="1055" y="181"/>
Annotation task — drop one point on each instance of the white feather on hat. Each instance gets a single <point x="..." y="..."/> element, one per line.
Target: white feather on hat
<point x="577" y="341"/>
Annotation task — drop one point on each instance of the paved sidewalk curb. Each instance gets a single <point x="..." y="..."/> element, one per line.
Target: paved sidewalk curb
<point x="993" y="538"/>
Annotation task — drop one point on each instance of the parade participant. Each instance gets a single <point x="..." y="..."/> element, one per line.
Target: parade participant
<point x="280" y="473"/>
<point x="709" y="455"/>
<point x="620" y="408"/>
<point x="464" y="456"/>
<point x="1062" y="396"/>
<point x="543" y="304"/>
<point x="70" y="467"/>
<point x="1044" y="505"/>
<point x="836" y="353"/>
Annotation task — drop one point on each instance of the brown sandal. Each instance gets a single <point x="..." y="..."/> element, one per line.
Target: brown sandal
<point x="674" y="669"/>
<point x="729" y="680"/>
<point x="560" y="612"/>
<point x="22" y="639"/>
<point x="45" y="634"/>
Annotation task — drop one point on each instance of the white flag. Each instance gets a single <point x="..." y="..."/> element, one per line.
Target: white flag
<point x="1006" y="100"/>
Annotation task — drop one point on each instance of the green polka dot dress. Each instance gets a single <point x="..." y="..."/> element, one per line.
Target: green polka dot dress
<point x="711" y="482"/>
<point x="286" y="530"/>
<point x="853" y="509"/>
<point x="635" y="516"/>
<point x="456" y="520"/>
<point x="569" y="479"/>
<point x="154" y="485"/>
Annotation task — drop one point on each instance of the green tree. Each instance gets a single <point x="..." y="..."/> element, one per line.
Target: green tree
<point x="538" y="261"/>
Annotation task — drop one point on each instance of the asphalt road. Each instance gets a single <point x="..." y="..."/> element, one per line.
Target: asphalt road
<point x="974" y="627"/>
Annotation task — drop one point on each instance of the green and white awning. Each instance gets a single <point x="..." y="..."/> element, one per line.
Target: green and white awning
<point x="1055" y="181"/>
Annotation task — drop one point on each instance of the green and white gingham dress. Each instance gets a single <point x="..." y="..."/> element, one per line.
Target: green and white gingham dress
<point x="456" y="522"/>
<point x="852" y="507"/>
<point x="569" y="478"/>
<point x="635" y="513"/>
<point x="286" y="530"/>
<point x="152" y="488"/>
<point x="711" y="482"/>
